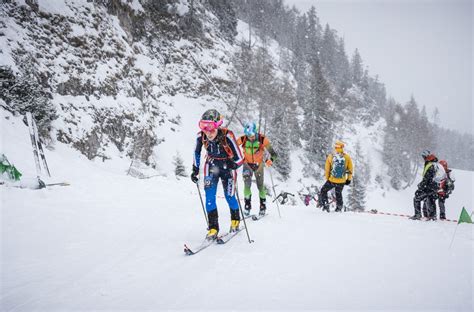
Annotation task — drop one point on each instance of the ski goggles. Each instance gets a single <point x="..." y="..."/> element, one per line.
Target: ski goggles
<point x="209" y="125"/>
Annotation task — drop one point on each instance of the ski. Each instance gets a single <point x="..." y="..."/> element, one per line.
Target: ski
<point x="249" y="216"/>
<point x="258" y="217"/>
<point x="220" y="240"/>
<point x="40" y="147"/>
<point x="59" y="184"/>
<point x="40" y="185"/>
<point x="228" y="236"/>
<point x="34" y="143"/>
<point x="205" y="243"/>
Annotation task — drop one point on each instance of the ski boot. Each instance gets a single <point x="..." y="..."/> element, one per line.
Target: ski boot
<point x="416" y="217"/>
<point x="213" y="219"/>
<point x="234" y="225"/>
<point x="248" y="206"/>
<point x="338" y="209"/>
<point x="442" y="217"/>
<point x="234" y="220"/>
<point x="212" y="234"/>
<point x="263" y="207"/>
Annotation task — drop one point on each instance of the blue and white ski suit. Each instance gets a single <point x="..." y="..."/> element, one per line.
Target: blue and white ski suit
<point x="216" y="166"/>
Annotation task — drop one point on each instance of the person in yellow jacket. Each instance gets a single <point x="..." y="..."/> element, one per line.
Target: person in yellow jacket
<point x="338" y="172"/>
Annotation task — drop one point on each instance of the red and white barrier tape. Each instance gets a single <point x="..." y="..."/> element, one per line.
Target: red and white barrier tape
<point x="398" y="215"/>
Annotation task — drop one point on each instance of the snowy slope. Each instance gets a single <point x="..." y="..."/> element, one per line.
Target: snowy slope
<point x="112" y="242"/>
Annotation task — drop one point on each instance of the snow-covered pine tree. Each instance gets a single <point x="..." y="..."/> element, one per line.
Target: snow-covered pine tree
<point x="378" y="93"/>
<point x="426" y="130"/>
<point x="243" y="64"/>
<point x="299" y="48"/>
<point x="318" y="116"/>
<point x="314" y="35"/>
<point x="254" y="70"/>
<point x="281" y="125"/>
<point x="455" y="147"/>
<point x="369" y="112"/>
<point x="281" y="144"/>
<point x="413" y="140"/>
<point x="179" y="168"/>
<point x="357" y="69"/>
<point x="413" y="134"/>
<point x="263" y="74"/>
<point x="358" y="189"/>
<point x="293" y="126"/>
<point x="395" y="153"/>
<point x="342" y="68"/>
<point x="328" y="55"/>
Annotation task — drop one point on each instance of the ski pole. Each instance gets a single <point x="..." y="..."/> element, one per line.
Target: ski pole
<point x="202" y="204"/>
<point x="274" y="193"/>
<point x="241" y="212"/>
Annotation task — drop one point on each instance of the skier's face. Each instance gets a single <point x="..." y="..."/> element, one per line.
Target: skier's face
<point x="211" y="135"/>
<point x="251" y="138"/>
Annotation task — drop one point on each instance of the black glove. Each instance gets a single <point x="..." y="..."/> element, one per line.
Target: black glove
<point x="348" y="182"/>
<point x="195" y="174"/>
<point x="231" y="164"/>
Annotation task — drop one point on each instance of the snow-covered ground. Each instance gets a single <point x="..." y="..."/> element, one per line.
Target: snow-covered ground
<point x="112" y="242"/>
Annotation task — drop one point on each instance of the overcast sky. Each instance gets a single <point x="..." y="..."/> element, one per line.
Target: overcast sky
<point x="419" y="47"/>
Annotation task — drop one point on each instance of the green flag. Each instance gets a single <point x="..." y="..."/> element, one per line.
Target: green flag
<point x="464" y="217"/>
<point x="11" y="172"/>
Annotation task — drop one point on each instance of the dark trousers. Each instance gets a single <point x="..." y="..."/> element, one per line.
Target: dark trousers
<point x="429" y="206"/>
<point x="324" y="195"/>
<point x="442" y="208"/>
<point x="432" y="212"/>
<point x="429" y="212"/>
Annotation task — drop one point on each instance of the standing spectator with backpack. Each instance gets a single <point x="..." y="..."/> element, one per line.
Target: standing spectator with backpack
<point x="254" y="146"/>
<point x="222" y="160"/>
<point x="446" y="188"/>
<point x="427" y="190"/>
<point x="338" y="172"/>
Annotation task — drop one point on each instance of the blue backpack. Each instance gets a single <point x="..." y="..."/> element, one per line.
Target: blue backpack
<point x="338" y="167"/>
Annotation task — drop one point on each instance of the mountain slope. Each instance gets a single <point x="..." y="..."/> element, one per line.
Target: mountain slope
<point x="112" y="70"/>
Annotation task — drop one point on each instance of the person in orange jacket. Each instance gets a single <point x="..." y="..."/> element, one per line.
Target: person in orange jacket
<point x="254" y="146"/>
<point x="338" y="172"/>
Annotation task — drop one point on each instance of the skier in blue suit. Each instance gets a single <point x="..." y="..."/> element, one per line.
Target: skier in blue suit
<point x="222" y="160"/>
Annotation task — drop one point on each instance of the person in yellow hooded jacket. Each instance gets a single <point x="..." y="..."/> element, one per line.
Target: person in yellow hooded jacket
<point x="338" y="172"/>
